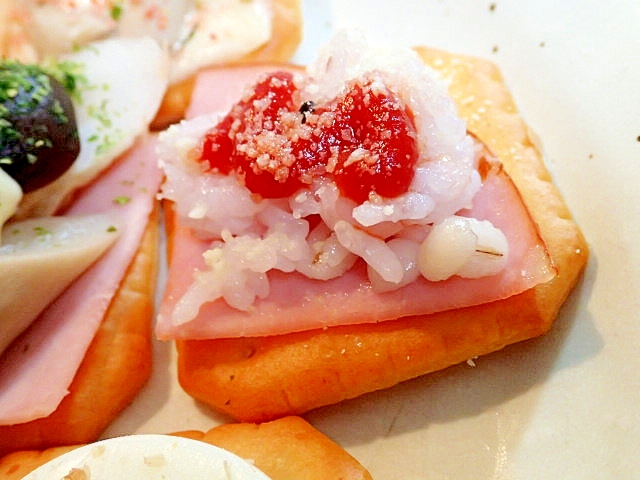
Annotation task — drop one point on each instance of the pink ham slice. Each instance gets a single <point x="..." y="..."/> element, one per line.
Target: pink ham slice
<point x="37" y="369"/>
<point x="297" y="303"/>
<point x="216" y="90"/>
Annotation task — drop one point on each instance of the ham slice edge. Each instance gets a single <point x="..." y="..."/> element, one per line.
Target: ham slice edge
<point x="37" y="369"/>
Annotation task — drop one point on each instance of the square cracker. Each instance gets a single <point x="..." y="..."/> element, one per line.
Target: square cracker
<point x="257" y="379"/>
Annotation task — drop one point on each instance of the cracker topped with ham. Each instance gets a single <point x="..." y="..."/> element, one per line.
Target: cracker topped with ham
<point x="72" y="241"/>
<point x="81" y="86"/>
<point x="336" y="230"/>
<point x="353" y="194"/>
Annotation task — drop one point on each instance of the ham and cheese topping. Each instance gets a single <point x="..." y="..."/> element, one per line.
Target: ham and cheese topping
<point x="361" y="164"/>
<point x="71" y="258"/>
<point x="124" y="197"/>
<point x="121" y="56"/>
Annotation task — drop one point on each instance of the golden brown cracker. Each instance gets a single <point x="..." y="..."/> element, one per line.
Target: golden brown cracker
<point x="256" y="379"/>
<point x="18" y="464"/>
<point x="287" y="449"/>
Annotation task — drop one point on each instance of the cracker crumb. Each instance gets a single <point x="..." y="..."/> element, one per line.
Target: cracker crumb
<point x="77" y="474"/>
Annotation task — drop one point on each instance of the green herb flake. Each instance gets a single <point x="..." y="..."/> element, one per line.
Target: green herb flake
<point x="121" y="200"/>
<point x="112" y="229"/>
<point x="70" y="75"/>
<point x="101" y="114"/>
<point x="116" y="11"/>
<point x="23" y="87"/>
<point x="40" y="231"/>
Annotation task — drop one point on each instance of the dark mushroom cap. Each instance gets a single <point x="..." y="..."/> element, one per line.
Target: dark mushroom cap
<point x="38" y="131"/>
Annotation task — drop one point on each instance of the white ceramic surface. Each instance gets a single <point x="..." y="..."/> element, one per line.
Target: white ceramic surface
<point x="567" y="405"/>
<point x="148" y="457"/>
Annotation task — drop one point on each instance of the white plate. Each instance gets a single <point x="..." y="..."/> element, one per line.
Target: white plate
<point x="567" y="405"/>
<point x="148" y="457"/>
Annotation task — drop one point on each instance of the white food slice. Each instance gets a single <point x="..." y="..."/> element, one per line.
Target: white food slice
<point x="223" y="31"/>
<point x="55" y="27"/>
<point x="39" y="258"/>
<point x="197" y="33"/>
<point x="10" y="196"/>
<point x="141" y="457"/>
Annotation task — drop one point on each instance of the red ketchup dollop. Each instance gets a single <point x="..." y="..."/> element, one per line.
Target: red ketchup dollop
<point x="276" y="143"/>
